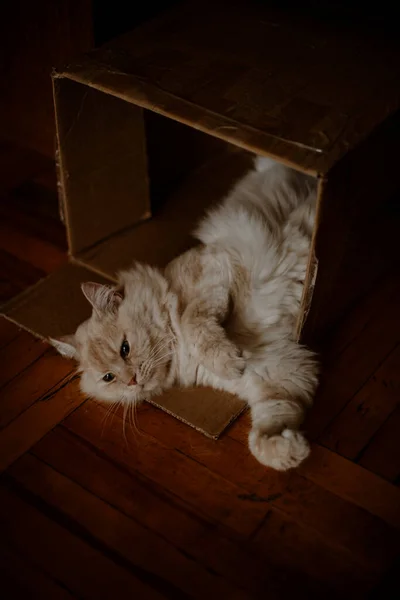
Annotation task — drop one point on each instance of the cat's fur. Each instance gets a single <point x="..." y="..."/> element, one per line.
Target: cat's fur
<point x="220" y="315"/>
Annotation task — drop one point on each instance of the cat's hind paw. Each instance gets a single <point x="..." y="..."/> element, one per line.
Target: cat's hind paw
<point x="281" y="452"/>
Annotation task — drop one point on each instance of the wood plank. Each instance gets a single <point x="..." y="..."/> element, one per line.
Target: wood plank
<point x="32" y="582"/>
<point x="37" y="200"/>
<point x="82" y="568"/>
<point x="21" y="352"/>
<point x="8" y="332"/>
<point x="141" y="547"/>
<point x="369" y="309"/>
<point x="48" y="230"/>
<point x="351" y="482"/>
<point x="37" y="420"/>
<point x="148" y="504"/>
<point x="352" y="429"/>
<point x="18" y="164"/>
<point x="347" y="373"/>
<point x="239" y="430"/>
<point x="340" y="521"/>
<point x="388" y="586"/>
<point x="216" y="455"/>
<point x="344" y="479"/>
<point x="177" y="473"/>
<point x="15" y="275"/>
<point x="36" y="382"/>
<point x="39" y="253"/>
<point x="289" y="545"/>
<point x="382" y="455"/>
<point x="11" y="587"/>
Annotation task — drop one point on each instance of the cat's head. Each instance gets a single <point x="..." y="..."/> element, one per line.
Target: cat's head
<point x="125" y="348"/>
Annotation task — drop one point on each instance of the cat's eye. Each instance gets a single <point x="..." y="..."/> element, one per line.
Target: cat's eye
<point x="125" y="349"/>
<point x="108" y="377"/>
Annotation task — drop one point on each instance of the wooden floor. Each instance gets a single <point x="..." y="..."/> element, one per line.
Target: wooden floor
<point x="89" y="509"/>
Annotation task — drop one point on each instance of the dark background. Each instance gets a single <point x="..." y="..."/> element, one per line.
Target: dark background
<point x="36" y="36"/>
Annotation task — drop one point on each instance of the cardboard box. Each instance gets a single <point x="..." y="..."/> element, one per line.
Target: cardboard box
<point x="155" y="127"/>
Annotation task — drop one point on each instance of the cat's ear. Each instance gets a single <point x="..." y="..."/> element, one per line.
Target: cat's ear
<point x="66" y="346"/>
<point x="102" y="297"/>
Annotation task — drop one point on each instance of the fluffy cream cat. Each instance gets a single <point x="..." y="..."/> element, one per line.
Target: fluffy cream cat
<point x="220" y="315"/>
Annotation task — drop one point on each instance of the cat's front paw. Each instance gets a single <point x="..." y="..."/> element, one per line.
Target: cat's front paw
<point x="228" y="362"/>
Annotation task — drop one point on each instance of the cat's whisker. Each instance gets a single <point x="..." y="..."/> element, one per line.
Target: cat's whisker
<point x="133" y="417"/>
<point x="160" y="356"/>
<point x="126" y="407"/>
<point x="165" y="348"/>
<point x="103" y="421"/>
<point x="150" y="365"/>
<point x="156" y="356"/>
<point x="159" y="347"/>
<point x="161" y="359"/>
<point x="170" y="339"/>
<point x="110" y="412"/>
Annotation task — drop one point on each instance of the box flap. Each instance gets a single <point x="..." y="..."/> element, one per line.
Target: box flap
<point x="101" y="163"/>
<point x="233" y="74"/>
<point x="56" y="305"/>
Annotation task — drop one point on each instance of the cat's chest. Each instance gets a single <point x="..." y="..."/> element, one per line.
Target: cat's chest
<point x="187" y="367"/>
<point x="191" y="373"/>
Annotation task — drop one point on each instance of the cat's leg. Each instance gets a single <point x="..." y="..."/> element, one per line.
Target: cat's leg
<point x="278" y="403"/>
<point x="201" y="326"/>
<point x="275" y="439"/>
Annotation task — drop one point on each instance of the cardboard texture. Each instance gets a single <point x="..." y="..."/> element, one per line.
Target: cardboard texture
<point x="138" y="119"/>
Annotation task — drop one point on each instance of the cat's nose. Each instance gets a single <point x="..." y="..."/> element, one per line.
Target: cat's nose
<point x="133" y="381"/>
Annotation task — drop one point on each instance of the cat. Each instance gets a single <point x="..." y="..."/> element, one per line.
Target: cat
<point x="221" y="315"/>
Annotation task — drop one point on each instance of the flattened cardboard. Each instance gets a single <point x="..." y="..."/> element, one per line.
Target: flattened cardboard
<point x="160" y="99"/>
<point x="205" y="409"/>
<point x="54" y="306"/>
